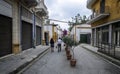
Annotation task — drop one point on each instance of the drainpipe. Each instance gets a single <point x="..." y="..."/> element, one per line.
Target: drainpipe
<point x="42" y="31"/>
<point x="34" y="31"/>
<point x="20" y="21"/>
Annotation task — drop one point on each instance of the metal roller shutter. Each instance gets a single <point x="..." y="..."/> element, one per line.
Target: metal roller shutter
<point x="26" y="35"/>
<point x="5" y="35"/>
<point x="38" y="35"/>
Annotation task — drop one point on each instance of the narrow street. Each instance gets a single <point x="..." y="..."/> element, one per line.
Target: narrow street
<point x="57" y="63"/>
<point x="28" y="28"/>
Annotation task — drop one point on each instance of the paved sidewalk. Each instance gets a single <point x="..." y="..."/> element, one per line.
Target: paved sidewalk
<point x="14" y="63"/>
<point x="95" y="50"/>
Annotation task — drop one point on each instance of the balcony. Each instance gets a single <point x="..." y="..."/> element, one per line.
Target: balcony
<point x="30" y="3"/>
<point x="97" y="15"/>
<point x="41" y="9"/>
<point x="90" y="3"/>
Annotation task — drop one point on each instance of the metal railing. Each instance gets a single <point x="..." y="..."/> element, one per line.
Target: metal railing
<point x="108" y="49"/>
<point x="98" y="12"/>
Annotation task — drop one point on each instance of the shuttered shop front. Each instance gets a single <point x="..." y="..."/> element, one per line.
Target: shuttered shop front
<point x="5" y="35"/>
<point x="38" y="35"/>
<point x="26" y="35"/>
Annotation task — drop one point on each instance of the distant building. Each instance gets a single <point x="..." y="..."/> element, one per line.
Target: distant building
<point x="82" y="33"/>
<point x="50" y="31"/>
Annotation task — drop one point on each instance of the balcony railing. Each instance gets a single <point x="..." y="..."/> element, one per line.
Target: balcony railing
<point x="109" y="49"/>
<point x="97" y="15"/>
<point x="90" y="3"/>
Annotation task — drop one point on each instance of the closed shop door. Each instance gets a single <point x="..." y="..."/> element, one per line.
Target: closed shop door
<point x="5" y="35"/>
<point x="26" y="35"/>
<point x="83" y="38"/>
<point x="47" y="38"/>
<point x="38" y="35"/>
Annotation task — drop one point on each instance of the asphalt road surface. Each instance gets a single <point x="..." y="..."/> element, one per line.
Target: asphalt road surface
<point x="57" y="63"/>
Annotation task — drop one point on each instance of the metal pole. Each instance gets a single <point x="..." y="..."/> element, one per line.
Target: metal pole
<point x="20" y="21"/>
<point x="34" y="31"/>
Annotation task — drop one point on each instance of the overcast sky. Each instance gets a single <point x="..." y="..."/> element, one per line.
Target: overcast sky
<point x="65" y="9"/>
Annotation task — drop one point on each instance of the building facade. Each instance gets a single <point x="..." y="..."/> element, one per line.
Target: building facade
<point x="50" y="31"/>
<point x="20" y="25"/>
<point x="105" y="22"/>
<point x="82" y="33"/>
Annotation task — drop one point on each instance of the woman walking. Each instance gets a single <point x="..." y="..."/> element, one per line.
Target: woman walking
<point x="52" y="44"/>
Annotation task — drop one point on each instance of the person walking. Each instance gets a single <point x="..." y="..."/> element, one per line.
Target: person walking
<point x="59" y="44"/>
<point x="52" y="44"/>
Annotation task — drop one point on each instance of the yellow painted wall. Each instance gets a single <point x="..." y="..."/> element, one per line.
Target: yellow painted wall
<point x="54" y="33"/>
<point x="114" y="9"/>
<point x="96" y="5"/>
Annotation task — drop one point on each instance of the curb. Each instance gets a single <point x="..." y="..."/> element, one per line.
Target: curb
<point x="27" y="63"/>
<point x="114" y="61"/>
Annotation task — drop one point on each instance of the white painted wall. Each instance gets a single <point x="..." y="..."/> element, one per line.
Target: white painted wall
<point x="55" y="29"/>
<point x="81" y="30"/>
<point x="73" y="31"/>
<point x="49" y="29"/>
<point x="77" y="34"/>
<point x="60" y="33"/>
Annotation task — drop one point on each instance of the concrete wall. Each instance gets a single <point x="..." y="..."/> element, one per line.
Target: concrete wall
<point x="5" y="8"/>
